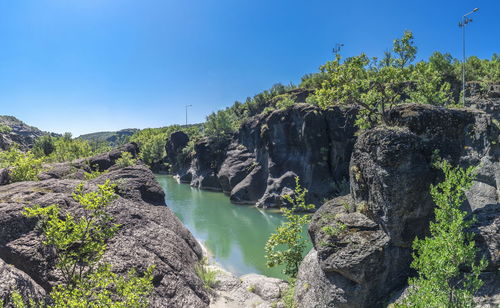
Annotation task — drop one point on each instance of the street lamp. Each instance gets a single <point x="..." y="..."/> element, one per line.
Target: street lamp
<point x="187" y="113"/>
<point x="465" y="20"/>
<point x="336" y="49"/>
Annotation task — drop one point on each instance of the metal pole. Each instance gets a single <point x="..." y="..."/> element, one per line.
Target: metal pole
<point x="463" y="61"/>
<point x="187" y="113"/>
<point x="463" y="23"/>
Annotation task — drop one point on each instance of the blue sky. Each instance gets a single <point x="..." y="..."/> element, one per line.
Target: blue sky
<point x="92" y="65"/>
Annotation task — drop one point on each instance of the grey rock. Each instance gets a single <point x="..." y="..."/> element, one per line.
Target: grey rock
<point x="150" y="233"/>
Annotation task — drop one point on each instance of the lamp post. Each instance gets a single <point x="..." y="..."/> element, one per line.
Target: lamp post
<point x="187" y="113"/>
<point x="465" y="20"/>
<point x="336" y="49"/>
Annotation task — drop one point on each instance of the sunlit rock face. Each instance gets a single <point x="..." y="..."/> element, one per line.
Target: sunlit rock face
<point x="365" y="259"/>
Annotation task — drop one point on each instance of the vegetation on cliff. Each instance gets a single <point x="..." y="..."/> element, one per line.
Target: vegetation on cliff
<point x="287" y="245"/>
<point x="78" y="243"/>
<point x="441" y="258"/>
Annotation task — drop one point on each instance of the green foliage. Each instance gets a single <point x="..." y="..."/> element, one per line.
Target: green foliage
<point x="284" y="102"/>
<point x="286" y="246"/>
<point x="103" y="288"/>
<point x="79" y="243"/>
<point x="153" y="151"/>
<point x="207" y="275"/>
<point x="430" y="87"/>
<point x="44" y="146"/>
<point x="126" y="160"/>
<point x="5" y="129"/>
<point x="23" y="166"/>
<point x="313" y="81"/>
<point x="221" y="124"/>
<point x="439" y="258"/>
<point x="152" y="141"/>
<point x="405" y="49"/>
<point x="93" y="174"/>
<point x="377" y="86"/>
<point x="289" y="296"/>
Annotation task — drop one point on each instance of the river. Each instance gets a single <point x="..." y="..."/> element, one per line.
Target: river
<point x="234" y="235"/>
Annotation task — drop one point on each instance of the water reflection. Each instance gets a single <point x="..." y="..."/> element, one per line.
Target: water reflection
<point x="234" y="234"/>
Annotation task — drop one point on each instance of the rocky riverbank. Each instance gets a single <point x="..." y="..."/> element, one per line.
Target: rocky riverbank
<point x="150" y="233"/>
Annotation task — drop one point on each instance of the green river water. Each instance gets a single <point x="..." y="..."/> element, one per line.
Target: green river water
<point x="234" y="235"/>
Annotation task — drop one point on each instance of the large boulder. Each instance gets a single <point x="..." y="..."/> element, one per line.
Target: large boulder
<point x="150" y="234"/>
<point x="362" y="243"/>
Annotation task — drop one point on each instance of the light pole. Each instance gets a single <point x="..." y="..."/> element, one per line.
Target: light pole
<point x="187" y="113"/>
<point x="337" y="48"/>
<point x="465" y="20"/>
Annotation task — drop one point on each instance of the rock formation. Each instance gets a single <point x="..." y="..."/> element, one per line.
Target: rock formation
<point x="150" y="233"/>
<point x="261" y="161"/>
<point x="362" y="242"/>
<point x="18" y="133"/>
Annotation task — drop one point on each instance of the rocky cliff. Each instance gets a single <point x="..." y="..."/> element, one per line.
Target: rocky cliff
<point x="17" y="132"/>
<point x="258" y="165"/>
<point x="366" y="258"/>
<point x="150" y="233"/>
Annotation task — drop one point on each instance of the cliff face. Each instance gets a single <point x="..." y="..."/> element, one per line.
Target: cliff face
<point x="150" y="233"/>
<point x="18" y="133"/>
<point x="261" y="161"/>
<point x="389" y="204"/>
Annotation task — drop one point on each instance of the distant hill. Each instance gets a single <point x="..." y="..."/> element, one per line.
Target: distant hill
<point x="13" y="130"/>
<point x="112" y="138"/>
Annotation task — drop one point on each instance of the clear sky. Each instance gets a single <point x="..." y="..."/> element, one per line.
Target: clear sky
<point x="92" y="65"/>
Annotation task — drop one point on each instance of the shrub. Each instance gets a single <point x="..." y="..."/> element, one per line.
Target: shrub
<point x="126" y="160"/>
<point x="79" y="243"/>
<point x="207" y="275"/>
<point x="286" y="246"/>
<point x="23" y="166"/>
<point x="438" y="259"/>
<point x="5" y="128"/>
<point x="221" y="123"/>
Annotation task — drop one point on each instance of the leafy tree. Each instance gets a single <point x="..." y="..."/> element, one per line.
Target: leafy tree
<point x="360" y="82"/>
<point x="44" y="146"/>
<point x="221" y="124"/>
<point x="405" y="49"/>
<point x="439" y="259"/>
<point x="79" y="243"/>
<point x="286" y="246"/>
<point x="153" y="151"/>
<point x="430" y="88"/>
<point x="23" y="166"/>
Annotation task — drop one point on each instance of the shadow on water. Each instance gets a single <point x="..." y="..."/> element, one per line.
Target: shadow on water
<point x="234" y="234"/>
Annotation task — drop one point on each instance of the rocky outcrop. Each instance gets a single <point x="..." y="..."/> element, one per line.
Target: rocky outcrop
<point x="209" y="154"/>
<point x="150" y="234"/>
<point x="250" y="290"/>
<point x="260" y="163"/>
<point x="362" y="242"/>
<point x="17" y="132"/>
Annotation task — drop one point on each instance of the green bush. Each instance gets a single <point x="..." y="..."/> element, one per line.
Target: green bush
<point x="126" y="160"/>
<point x="79" y="243"/>
<point x="5" y="129"/>
<point x="221" y="123"/>
<point x="286" y="246"/>
<point x="207" y="275"/>
<point x="438" y="259"/>
<point x="23" y="166"/>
